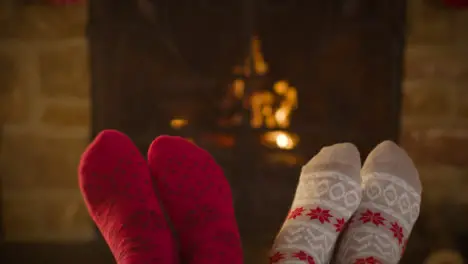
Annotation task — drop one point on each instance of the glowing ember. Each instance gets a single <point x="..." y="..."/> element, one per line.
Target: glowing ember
<point x="178" y="123"/>
<point x="280" y="139"/>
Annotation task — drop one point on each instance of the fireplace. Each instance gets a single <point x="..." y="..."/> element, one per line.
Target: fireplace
<point x="262" y="85"/>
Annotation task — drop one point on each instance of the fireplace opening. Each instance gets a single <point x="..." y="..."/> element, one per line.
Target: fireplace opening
<point x="262" y="85"/>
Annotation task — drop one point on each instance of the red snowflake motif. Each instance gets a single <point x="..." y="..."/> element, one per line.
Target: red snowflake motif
<point x="403" y="248"/>
<point x="295" y="213"/>
<point x="397" y="232"/>
<point x="276" y="257"/>
<point x="340" y="224"/>
<point x="370" y="216"/>
<point x="304" y="256"/>
<point x="369" y="260"/>
<point x="320" y="214"/>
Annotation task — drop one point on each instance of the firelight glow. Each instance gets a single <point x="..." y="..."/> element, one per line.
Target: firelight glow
<point x="272" y="108"/>
<point x="283" y="141"/>
<point x="178" y="123"/>
<point x="280" y="139"/>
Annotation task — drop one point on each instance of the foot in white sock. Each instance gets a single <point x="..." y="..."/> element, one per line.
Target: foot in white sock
<point x="390" y="206"/>
<point x="327" y="195"/>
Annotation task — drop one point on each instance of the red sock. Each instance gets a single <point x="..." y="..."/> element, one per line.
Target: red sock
<point x="198" y="199"/>
<point x="116" y="185"/>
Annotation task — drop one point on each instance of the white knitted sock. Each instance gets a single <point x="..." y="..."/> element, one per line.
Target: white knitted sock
<point x="327" y="195"/>
<point x="390" y="205"/>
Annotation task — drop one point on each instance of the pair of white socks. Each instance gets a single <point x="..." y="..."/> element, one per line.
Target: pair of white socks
<point x="351" y="215"/>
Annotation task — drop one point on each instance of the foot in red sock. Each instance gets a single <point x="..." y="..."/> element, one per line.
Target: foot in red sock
<point x="116" y="185"/>
<point x="198" y="199"/>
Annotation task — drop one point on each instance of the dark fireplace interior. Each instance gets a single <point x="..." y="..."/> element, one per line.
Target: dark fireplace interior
<point x="220" y="73"/>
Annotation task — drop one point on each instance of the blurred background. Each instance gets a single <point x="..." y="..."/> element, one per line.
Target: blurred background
<point x="262" y="85"/>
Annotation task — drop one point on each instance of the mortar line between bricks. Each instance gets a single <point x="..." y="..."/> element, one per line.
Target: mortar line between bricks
<point x="48" y="131"/>
<point x="46" y="194"/>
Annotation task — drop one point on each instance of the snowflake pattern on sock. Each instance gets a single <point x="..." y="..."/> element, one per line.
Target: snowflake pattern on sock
<point x="382" y="224"/>
<point x="326" y="198"/>
<point x="380" y="228"/>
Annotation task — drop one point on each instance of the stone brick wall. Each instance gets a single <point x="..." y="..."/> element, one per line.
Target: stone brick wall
<point x="44" y="121"/>
<point x="435" y="114"/>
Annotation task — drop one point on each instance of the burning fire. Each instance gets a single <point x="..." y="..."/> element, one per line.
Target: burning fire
<point x="270" y="109"/>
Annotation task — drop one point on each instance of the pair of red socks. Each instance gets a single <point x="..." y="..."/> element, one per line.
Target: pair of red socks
<point x="125" y="195"/>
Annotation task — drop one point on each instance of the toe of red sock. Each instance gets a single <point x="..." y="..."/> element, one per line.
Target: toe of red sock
<point x="168" y="146"/>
